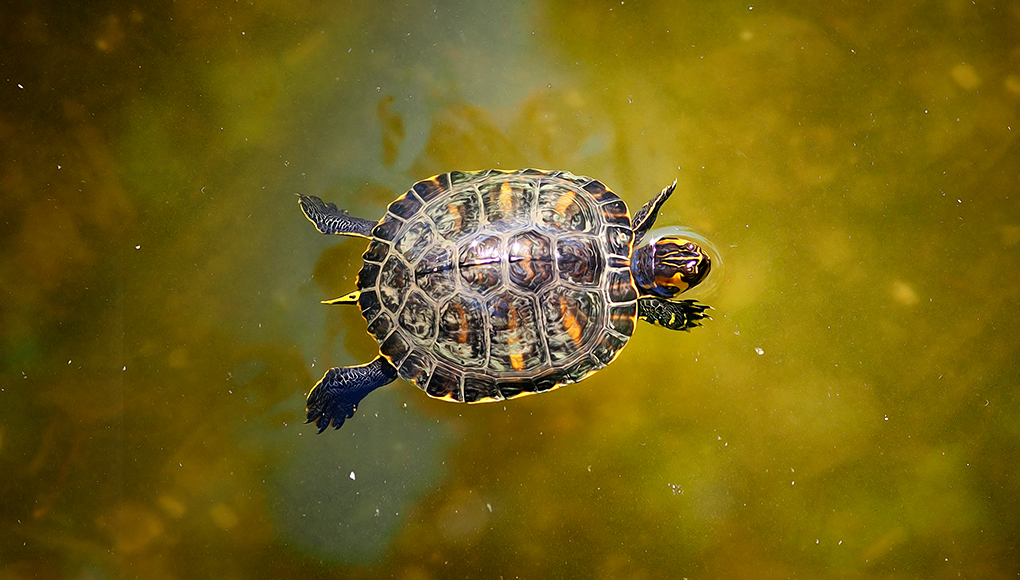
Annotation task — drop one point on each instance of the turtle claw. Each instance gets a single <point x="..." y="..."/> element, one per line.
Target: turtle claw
<point x="335" y="398"/>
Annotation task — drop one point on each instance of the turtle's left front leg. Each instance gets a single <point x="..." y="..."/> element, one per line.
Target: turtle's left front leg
<point x="672" y="314"/>
<point x="645" y="217"/>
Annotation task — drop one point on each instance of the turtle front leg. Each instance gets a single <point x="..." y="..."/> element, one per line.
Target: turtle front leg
<point x="645" y="217"/>
<point x="330" y="220"/>
<point x="335" y="397"/>
<point x="672" y="314"/>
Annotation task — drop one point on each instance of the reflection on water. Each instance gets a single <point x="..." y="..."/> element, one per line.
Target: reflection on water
<point x="345" y="503"/>
<point x="850" y="411"/>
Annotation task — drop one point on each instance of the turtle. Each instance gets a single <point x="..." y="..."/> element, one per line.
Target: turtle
<point x="490" y="285"/>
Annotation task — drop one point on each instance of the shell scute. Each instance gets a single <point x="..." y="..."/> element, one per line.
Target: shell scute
<point x="435" y="273"/>
<point x="370" y="305"/>
<point x="621" y="318"/>
<point x="573" y="318"/>
<point x="394" y="281"/>
<point x="579" y="261"/>
<point x="396" y="348"/>
<point x="615" y="212"/>
<point x="415" y="240"/>
<point x="599" y="191"/>
<point x="387" y="228"/>
<point x="607" y="348"/>
<point x="418" y="317"/>
<point x="445" y="384"/>
<point x="481" y="388"/>
<point x="480" y="263"/>
<point x="462" y="337"/>
<point x="514" y="342"/>
<point x="417" y="367"/>
<point x="381" y="327"/>
<point x="565" y="210"/>
<point x="376" y="252"/>
<point x="618" y="241"/>
<point x="429" y="189"/>
<point x="458" y="215"/>
<point x="368" y="276"/>
<point x="530" y="260"/>
<point x="406" y="206"/>
<point x="510" y="389"/>
<point x="621" y="286"/>
<point x="508" y="201"/>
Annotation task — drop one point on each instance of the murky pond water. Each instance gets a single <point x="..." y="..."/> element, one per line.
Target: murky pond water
<point x="850" y="411"/>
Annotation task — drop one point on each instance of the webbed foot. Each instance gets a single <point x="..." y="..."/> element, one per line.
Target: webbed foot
<point x="330" y="220"/>
<point x="672" y="314"/>
<point x="335" y="398"/>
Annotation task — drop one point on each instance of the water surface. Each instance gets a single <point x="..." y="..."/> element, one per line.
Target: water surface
<point x="850" y="411"/>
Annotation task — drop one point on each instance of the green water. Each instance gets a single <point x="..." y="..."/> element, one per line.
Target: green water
<point x="851" y="411"/>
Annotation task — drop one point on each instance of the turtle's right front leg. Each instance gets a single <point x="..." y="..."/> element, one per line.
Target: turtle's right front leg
<point x="672" y="314"/>
<point x="335" y="397"/>
<point x="330" y="220"/>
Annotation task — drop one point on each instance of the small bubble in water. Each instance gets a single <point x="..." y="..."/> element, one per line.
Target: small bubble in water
<point x="759" y="350"/>
<point x="352" y="476"/>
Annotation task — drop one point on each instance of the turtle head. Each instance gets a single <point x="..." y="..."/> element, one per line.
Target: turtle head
<point x="669" y="266"/>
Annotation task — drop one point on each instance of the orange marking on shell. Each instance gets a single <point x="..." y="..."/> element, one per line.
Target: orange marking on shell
<point x="570" y="323"/>
<point x="525" y="262"/>
<point x="458" y="217"/>
<point x="516" y="358"/>
<point x="564" y="203"/>
<point x="506" y="201"/>
<point x="517" y="361"/>
<point x="462" y="323"/>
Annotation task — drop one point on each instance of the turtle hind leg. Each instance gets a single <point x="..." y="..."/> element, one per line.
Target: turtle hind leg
<point x="672" y="314"/>
<point x="335" y="397"/>
<point x="330" y="220"/>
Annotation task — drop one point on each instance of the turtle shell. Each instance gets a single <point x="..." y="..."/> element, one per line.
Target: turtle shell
<point x="491" y="285"/>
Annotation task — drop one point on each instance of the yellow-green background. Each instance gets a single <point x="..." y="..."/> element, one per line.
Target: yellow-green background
<point x="851" y="411"/>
